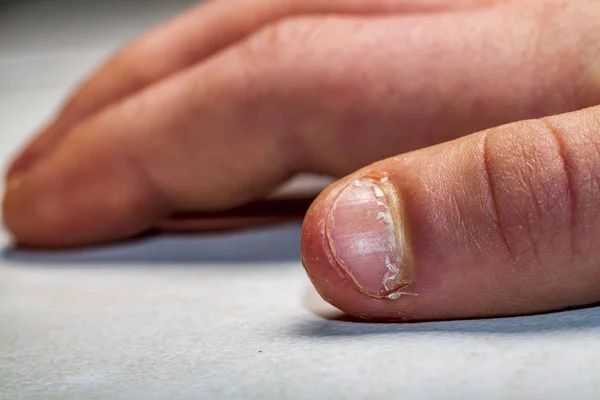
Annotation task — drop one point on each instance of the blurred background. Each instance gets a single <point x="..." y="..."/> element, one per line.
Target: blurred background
<point x="62" y="37"/>
<point x="47" y="46"/>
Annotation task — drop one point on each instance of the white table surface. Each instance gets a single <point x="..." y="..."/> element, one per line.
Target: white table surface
<point x="224" y="316"/>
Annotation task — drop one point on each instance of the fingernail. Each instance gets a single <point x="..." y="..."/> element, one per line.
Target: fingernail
<point x="366" y="238"/>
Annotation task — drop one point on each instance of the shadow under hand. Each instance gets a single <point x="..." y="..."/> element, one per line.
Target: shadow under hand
<point x="268" y="244"/>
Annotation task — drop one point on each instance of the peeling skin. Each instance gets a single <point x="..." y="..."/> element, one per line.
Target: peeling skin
<point x="398" y="294"/>
<point x="392" y="274"/>
<point x="395" y="295"/>
<point x="390" y="279"/>
<point x="386" y="217"/>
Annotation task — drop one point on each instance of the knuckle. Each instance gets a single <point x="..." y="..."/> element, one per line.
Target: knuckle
<point x="282" y="69"/>
<point x="531" y="189"/>
<point x="268" y="59"/>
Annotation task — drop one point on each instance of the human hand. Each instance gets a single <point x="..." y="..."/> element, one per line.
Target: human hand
<point x="220" y="106"/>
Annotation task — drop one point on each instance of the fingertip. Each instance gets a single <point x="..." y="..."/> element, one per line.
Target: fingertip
<point x="79" y="197"/>
<point x="377" y="245"/>
<point x="333" y="261"/>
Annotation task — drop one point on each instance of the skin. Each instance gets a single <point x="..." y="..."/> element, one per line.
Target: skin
<point x="480" y="112"/>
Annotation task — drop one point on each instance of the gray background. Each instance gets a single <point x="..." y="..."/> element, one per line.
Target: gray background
<point x="227" y="316"/>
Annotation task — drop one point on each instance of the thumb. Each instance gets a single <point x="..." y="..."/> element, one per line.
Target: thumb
<point x="502" y="222"/>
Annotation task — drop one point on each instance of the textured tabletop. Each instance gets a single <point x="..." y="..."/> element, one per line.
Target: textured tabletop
<point x="224" y="316"/>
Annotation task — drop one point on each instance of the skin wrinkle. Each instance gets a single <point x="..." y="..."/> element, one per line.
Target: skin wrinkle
<point x="533" y="245"/>
<point x="581" y="152"/>
<point x="269" y="61"/>
<point x="531" y="179"/>
<point x="161" y="199"/>
<point x="572" y="201"/>
<point x="528" y="181"/>
<point x="493" y="197"/>
<point x="543" y="183"/>
<point x="584" y="180"/>
<point x="257" y="97"/>
<point x="473" y="237"/>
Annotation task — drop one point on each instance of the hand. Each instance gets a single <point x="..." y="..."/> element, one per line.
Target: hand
<point x="221" y="105"/>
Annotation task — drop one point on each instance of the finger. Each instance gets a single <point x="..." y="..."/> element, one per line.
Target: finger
<point x="229" y="130"/>
<point x="503" y="222"/>
<point x="187" y="40"/>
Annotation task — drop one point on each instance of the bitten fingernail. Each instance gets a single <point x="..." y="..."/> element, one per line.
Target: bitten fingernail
<point x="367" y="239"/>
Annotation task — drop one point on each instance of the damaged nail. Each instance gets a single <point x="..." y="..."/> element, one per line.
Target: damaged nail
<point x="366" y="238"/>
